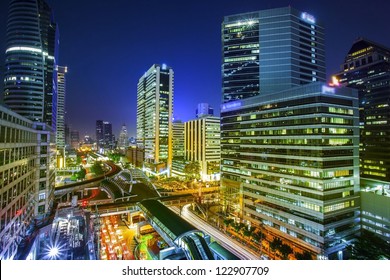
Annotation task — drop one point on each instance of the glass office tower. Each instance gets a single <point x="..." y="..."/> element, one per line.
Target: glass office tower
<point x="367" y="68"/>
<point x="269" y="51"/>
<point x="30" y="58"/>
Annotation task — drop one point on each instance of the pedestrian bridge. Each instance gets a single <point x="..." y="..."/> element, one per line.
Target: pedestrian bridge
<point x="177" y="232"/>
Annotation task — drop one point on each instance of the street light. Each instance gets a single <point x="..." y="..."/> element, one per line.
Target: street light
<point x="53" y="252"/>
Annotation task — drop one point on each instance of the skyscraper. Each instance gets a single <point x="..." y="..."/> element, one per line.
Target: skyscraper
<point x="30" y="59"/>
<point x="104" y="137"/>
<point x="123" y="139"/>
<point x="269" y="51"/>
<point x="30" y="92"/>
<point x="367" y="68"/>
<point x="109" y="138"/>
<point x="61" y="92"/>
<point x="289" y="148"/>
<point x="99" y="134"/>
<point x="154" y="117"/>
<point x="26" y="177"/>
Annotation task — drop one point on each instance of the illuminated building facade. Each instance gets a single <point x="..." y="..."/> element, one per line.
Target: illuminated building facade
<point x="123" y="139"/>
<point x="367" y="68"/>
<point x="289" y="162"/>
<point x="154" y="117"/>
<point x="27" y="173"/>
<point x="202" y="143"/>
<point x="30" y="59"/>
<point x="269" y="51"/>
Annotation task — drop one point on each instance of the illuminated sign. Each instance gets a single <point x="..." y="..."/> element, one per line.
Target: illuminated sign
<point x="231" y="105"/>
<point x="328" y="90"/>
<point x="308" y="18"/>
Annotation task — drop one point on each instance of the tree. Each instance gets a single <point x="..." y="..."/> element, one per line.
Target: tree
<point x="192" y="170"/>
<point x="257" y="236"/>
<point x="97" y="168"/>
<point x="115" y="157"/>
<point x="228" y="222"/>
<point x="276" y="244"/>
<point x="285" y="250"/>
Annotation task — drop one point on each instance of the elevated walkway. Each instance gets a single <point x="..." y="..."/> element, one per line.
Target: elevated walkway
<point x="176" y="231"/>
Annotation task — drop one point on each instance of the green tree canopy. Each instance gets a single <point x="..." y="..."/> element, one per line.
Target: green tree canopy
<point x="192" y="170"/>
<point x="81" y="174"/>
<point x="97" y="168"/>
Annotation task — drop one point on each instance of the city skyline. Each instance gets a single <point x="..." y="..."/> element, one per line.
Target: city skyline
<point x="143" y="34"/>
<point x="282" y="167"/>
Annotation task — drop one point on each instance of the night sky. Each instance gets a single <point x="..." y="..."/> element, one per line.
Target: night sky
<point x="108" y="45"/>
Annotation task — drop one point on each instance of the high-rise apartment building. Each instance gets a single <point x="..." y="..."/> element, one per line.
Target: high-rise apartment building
<point x="61" y="92"/>
<point x="99" y="134"/>
<point x="289" y="148"/>
<point x="27" y="173"/>
<point x="202" y="143"/>
<point x="30" y="59"/>
<point x="269" y="51"/>
<point x="109" y="138"/>
<point x="289" y="162"/>
<point x="154" y="117"/>
<point x="367" y="69"/>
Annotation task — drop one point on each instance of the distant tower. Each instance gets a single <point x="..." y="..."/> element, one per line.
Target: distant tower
<point x="30" y="59"/>
<point x="74" y="139"/>
<point x="123" y="140"/>
<point x="154" y="116"/>
<point x="204" y="109"/>
<point x="108" y="136"/>
<point x="367" y="68"/>
<point x="99" y="134"/>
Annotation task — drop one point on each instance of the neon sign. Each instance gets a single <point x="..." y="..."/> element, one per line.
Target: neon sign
<point x="308" y="18"/>
<point x="231" y="105"/>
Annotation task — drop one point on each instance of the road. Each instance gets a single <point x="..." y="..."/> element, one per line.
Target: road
<point x="228" y="243"/>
